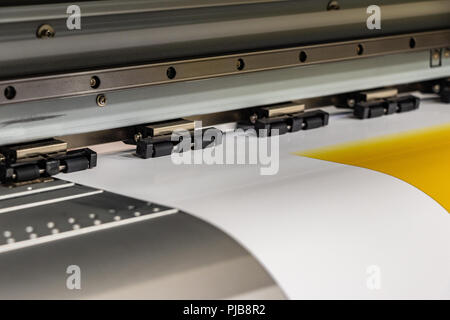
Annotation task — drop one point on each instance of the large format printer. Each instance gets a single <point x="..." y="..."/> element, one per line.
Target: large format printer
<point x="91" y="93"/>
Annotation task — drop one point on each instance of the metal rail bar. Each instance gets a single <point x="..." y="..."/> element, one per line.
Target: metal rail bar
<point x="101" y="81"/>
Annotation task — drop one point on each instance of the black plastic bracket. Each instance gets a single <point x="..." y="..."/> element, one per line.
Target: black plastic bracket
<point x="159" y="146"/>
<point x="47" y="166"/>
<point x="289" y="123"/>
<point x="380" y="107"/>
<point x="444" y="92"/>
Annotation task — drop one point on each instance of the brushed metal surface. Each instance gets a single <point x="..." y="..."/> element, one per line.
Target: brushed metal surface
<point x="126" y="249"/>
<point x="117" y="33"/>
<point x="171" y="257"/>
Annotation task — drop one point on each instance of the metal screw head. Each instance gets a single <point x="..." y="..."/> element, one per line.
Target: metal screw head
<point x="94" y="82"/>
<point x="45" y="31"/>
<point x="137" y="137"/>
<point x="101" y="100"/>
<point x="333" y="5"/>
<point x="351" y="102"/>
<point x="447" y="53"/>
<point x="436" y="88"/>
<point x="436" y="55"/>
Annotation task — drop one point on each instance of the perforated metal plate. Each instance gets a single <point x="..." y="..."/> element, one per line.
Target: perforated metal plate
<point x="52" y="210"/>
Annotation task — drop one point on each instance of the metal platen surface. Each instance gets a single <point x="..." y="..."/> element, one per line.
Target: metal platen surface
<point x="57" y="209"/>
<point x="125" y="248"/>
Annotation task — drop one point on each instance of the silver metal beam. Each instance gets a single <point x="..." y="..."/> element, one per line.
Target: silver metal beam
<point x="100" y="81"/>
<point x="30" y="121"/>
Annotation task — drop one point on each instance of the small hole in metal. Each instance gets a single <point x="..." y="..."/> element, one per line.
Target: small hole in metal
<point x="302" y="56"/>
<point x="240" y="64"/>
<point x="412" y="43"/>
<point x="360" y="49"/>
<point x="171" y="72"/>
<point x="10" y="92"/>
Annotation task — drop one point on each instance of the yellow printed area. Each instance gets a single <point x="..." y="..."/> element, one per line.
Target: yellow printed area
<point x="420" y="158"/>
